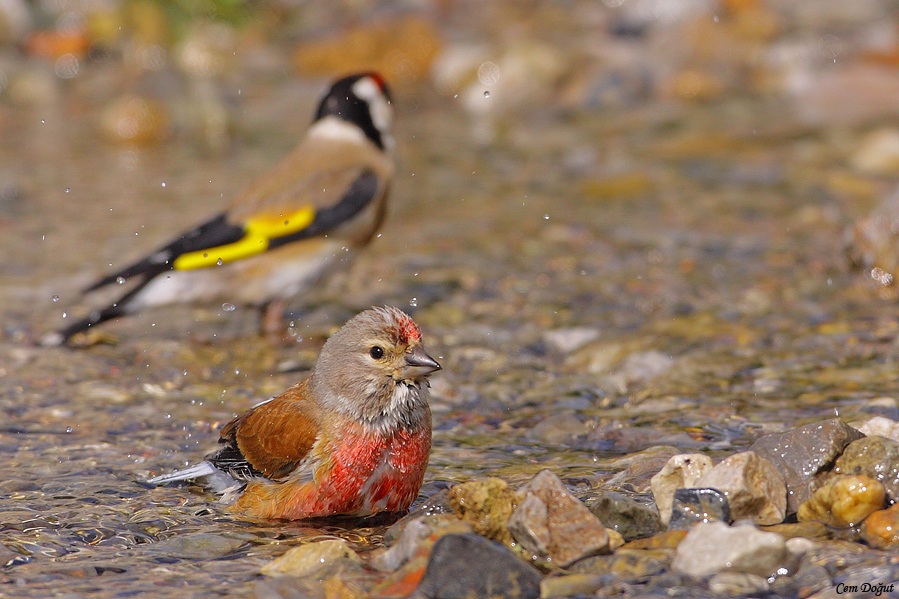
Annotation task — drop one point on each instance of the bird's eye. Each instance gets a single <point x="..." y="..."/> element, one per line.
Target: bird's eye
<point x="376" y="352"/>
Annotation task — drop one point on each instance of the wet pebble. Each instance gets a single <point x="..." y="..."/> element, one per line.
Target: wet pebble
<point x="565" y="341"/>
<point x="632" y="517"/>
<point x="680" y="471"/>
<point x="809" y="579"/>
<point x="801" y="453"/>
<point x="754" y="488"/>
<point x="312" y="558"/>
<point x="734" y="584"/>
<point x="872" y="242"/>
<point x="627" y="564"/>
<point x="639" y="468"/>
<point x="470" y="565"/>
<point x="881" y="529"/>
<point x="571" y="585"/>
<point x="438" y="503"/>
<point x="694" y="505"/>
<point x="641" y="367"/>
<point x="557" y="429"/>
<point x="414" y="538"/>
<point x="554" y="525"/>
<point x="669" y="539"/>
<point x="844" y="501"/>
<point x="486" y="505"/>
<point x="197" y="546"/>
<point x="875" y="456"/>
<point x="716" y="547"/>
<point x="802" y="530"/>
<point x="878" y="425"/>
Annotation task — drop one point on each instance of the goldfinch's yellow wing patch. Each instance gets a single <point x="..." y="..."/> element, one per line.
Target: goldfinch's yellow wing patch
<point x="258" y="233"/>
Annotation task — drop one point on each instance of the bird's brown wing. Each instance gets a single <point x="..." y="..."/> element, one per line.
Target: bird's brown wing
<point x="270" y="439"/>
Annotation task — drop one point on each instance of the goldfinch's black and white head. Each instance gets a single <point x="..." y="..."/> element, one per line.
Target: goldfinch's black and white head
<point x="362" y="101"/>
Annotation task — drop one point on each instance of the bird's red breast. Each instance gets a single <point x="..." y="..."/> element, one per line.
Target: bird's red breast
<point x="360" y="473"/>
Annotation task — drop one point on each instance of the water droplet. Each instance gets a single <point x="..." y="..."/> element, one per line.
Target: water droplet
<point x="120" y="280"/>
<point x="219" y="262"/>
<point x="205" y="255"/>
<point x="545" y="217"/>
<point x="414" y="302"/>
<point x="488" y="73"/>
<point x="65" y="315"/>
<point x="163" y="183"/>
<point x="55" y="298"/>
<point x="185" y="373"/>
<point x="228" y="307"/>
<point x="68" y="189"/>
<point x="237" y="371"/>
<point x="487" y="94"/>
<point x="69" y="429"/>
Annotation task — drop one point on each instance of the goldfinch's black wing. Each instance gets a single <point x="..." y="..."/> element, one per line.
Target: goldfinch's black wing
<point x="359" y="195"/>
<point x="219" y="241"/>
<point x="215" y="232"/>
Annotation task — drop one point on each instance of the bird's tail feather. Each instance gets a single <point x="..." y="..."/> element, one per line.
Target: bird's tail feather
<point x="195" y="471"/>
<point x="216" y="479"/>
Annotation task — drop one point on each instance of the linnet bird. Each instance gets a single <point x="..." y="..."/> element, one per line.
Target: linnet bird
<point x="353" y="439"/>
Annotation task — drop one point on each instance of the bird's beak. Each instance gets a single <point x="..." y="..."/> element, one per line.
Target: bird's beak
<point x="418" y="364"/>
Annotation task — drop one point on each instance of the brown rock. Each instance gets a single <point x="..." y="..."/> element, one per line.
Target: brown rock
<point x="881" y="529"/>
<point x="844" y="501"/>
<point x="875" y="456"/>
<point x="553" y="524"/>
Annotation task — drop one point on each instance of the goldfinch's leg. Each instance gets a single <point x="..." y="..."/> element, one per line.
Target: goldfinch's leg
<point x="271" y="323"/>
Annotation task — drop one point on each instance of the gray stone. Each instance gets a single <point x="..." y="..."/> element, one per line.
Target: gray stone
<point x="629" y="516"/>
<point x="553" y="524"/>
<point x="695" y="505"/>
<point x="716" y="547"/>
<point x="801" y="453"/>
<point x="469" y="565"/>
<point x="754" y="488"/>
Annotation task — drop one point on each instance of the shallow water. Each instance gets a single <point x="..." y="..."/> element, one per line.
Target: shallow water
<point x="697" y="248"/>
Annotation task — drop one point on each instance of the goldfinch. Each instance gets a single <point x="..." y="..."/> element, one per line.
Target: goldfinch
<point x="352" y="439"/>
<point x="307" y="215"/>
